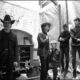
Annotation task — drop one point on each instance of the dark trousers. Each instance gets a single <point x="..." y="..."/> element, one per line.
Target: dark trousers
<point x="9" y="73"/>
<point x="74" y="50"/>
<point x="55" y="73"/>
<point x="44" y="67"/>
<point x="64" y="53"/>
<point x="8" y="67"/>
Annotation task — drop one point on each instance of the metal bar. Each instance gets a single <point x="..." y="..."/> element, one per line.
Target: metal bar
<point x="66" y="12"/>
<point x="30" y="78"/>
<point x="59" y="7"/>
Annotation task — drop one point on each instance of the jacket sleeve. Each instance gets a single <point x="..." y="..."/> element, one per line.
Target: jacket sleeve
<point x="0" y="42"/>
<point x="58" y="57"/>
<point x="68" y="37"/>
<point x="59" y="37"/>
<point x="72" y="35"/>
<point x="42" y="40"/>
<point x="0" y="45"/>
<point x="16" y="50"/>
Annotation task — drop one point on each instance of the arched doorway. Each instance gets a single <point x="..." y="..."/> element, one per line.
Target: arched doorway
<point x="24" y="38"/>
<point x="25" y="47"/>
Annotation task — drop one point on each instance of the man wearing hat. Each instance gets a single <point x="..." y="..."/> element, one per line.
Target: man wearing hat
<point x="43" y="49"/>
<point x="8" y="47"/>
<point x="75" y="44"/>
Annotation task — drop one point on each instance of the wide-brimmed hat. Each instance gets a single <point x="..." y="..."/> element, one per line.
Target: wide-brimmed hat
<point x="53" y="42"/>
<point x="7" y="18"/>
<point x="44" y="24"/>
<point x="77" y="19"/>
<point x="65" y="25"/>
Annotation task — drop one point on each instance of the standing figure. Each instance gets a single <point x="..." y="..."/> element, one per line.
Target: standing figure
<point x="54" y="59"/>
<point x="8" y="47"/>
<point x="75" y="44"/>
<point x="64" y="47"/>
<point x="43" y="50"/>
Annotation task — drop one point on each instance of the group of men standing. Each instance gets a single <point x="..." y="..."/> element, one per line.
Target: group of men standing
<point x="64" y="37"/>
<point x="9" y="56"/>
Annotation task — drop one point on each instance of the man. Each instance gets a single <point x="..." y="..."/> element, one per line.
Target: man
<point x="43" y="49"/>
<point x="64" y="47"/>
<point x="75" y="36"/>
<point x="8" y="46"/>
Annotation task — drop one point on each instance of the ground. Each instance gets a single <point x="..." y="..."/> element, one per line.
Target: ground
<point x="36" y="75"/>
<point x="69" y="75"/>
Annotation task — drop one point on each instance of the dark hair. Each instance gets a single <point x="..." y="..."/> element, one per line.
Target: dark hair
<point x="77" y="19"/>
<point x="45" y="24"/>
<point x="65" y="25"/>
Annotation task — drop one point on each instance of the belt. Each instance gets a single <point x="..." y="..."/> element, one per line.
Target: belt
<point x="5" y="51"/>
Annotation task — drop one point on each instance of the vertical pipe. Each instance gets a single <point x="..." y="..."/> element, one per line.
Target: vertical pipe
<point x="66" y="12"/>
<point x="59" y="7"/>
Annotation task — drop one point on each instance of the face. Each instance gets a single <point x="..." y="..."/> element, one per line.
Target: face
<point x="46" y="28"/>
<point x="65" y="28"/>
<point x="76" y="23"/>
<point x="7" y="25"/>
<point x="53" y="45"/>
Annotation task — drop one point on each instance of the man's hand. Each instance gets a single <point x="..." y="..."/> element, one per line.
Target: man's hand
<point x="47" y="37"/>
<point x="50" y="51"/>
<point x="61" y="39"/>
<point x="78" y="39"/>
<point x="15" y="64"/>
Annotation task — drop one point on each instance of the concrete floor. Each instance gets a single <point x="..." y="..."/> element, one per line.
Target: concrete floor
<point x="34" y="76"/>
<point x="68" y="76"/>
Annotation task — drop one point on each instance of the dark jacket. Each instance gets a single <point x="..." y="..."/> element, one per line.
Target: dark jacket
<point x="55" y="58"/>
<point x="43" y="45"/>
<point x="66" y="36"/>
<point x="12" y="48"/>
<point x="75" y="34"/>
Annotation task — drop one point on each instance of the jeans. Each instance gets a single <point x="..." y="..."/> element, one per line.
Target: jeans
<point x="8" y="67"/>
<point x="74" y="50"/>
<point x="64" y="53"/>
<point x="44" y="67"/>
<point x="55" y="73"/>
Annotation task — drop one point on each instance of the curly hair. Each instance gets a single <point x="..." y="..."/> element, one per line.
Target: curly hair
<point x="45" y="24"/>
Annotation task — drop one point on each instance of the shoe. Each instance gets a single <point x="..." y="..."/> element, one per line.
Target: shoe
<point x="62" y="71"/>
<point x="58" y="78"/>
<point x="75" y="78"/>
<point x="64" y="75"/>
<point x="74" y="73"/>
<point x="78" y="69"/>
<point x="50" y="73"/>
<point x="70" y="68"/>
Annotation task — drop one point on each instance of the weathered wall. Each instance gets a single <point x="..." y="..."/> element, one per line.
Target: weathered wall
<point x="50" y="13"/>
<point x="26" y="20"/>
